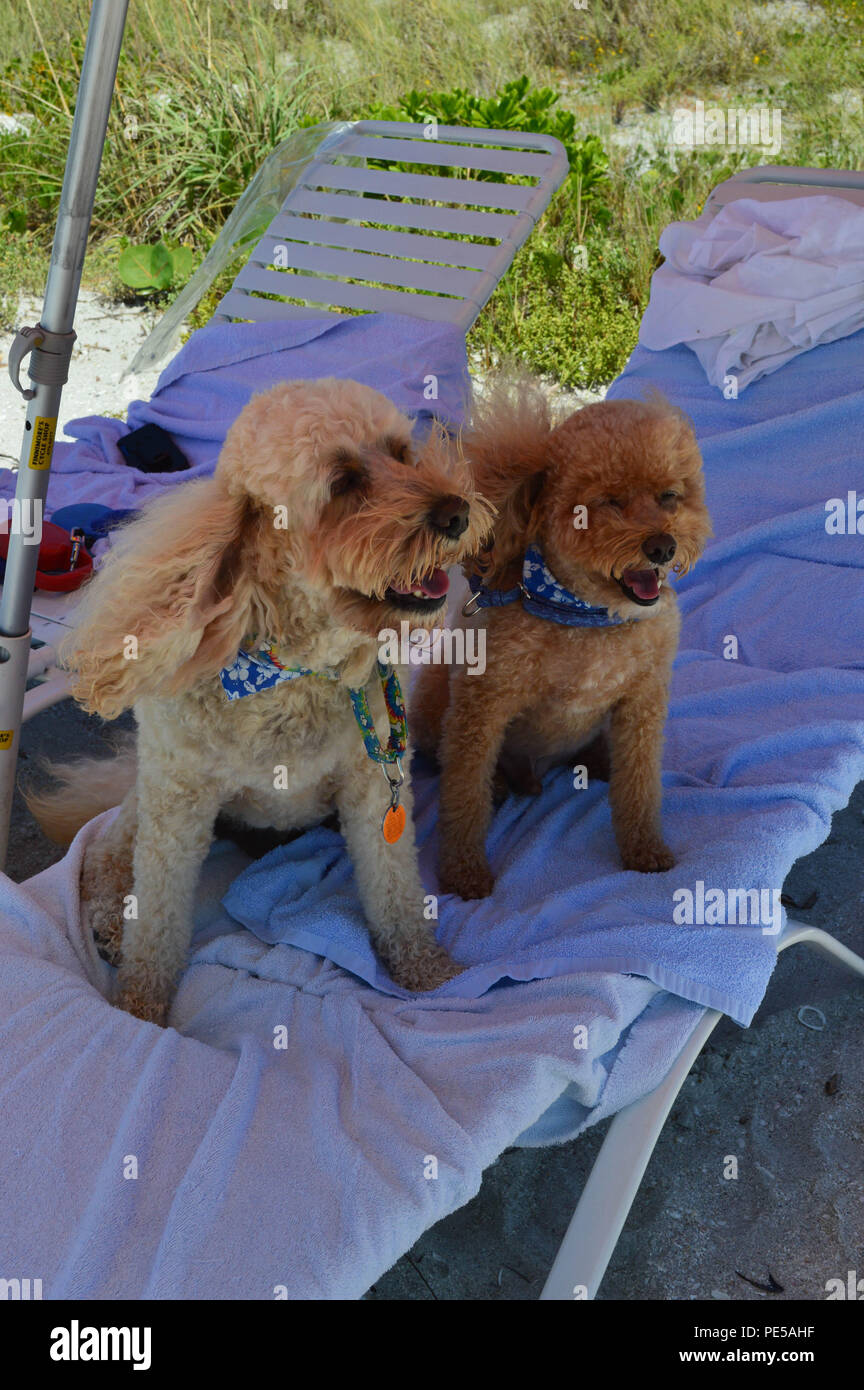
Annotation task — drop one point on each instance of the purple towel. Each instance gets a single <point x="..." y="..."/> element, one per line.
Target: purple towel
<point x="420" y="366"/>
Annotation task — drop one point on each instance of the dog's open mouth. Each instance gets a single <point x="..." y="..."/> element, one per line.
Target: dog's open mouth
<point x="424" y="595"/>
<point x="641" y="586"/>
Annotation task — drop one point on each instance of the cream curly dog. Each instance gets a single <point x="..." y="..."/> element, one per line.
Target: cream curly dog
<point x="605" y="503"/>
<point x="320" y="527"/>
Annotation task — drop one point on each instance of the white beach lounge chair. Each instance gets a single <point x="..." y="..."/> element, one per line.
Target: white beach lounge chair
<point x="415" y="261"/>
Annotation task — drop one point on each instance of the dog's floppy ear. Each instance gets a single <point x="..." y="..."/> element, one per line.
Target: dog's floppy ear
<point x="513" y="528"/>
<point x="169" y="605"/>
<point x="507" y="447"/>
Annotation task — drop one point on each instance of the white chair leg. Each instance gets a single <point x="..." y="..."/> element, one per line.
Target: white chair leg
<point x="615" y="1177"/>
<point x="795" y="932"/>
<point x="613" y="1182"/>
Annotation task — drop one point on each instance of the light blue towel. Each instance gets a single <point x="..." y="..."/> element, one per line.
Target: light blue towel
<point x="294" y="1132"/>
<point x="761" y="749"/>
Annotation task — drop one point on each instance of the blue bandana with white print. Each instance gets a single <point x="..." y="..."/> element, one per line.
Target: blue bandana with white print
<point x="252" y="672"/>
<point x="544" y="597"/>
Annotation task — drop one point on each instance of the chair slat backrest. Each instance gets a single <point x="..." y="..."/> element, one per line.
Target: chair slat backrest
<point x="352" y="236"/>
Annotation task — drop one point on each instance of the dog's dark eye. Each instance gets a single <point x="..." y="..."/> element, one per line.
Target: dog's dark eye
<point x="615" y="502"/>
<point x="348" y="474"/>
<point x="399" y="449"/>
<point x="667" y="498"/>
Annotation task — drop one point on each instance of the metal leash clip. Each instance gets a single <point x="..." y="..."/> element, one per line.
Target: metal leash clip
<point x="394" y="817"/>
<point x="394" y="783"/>
<point x="471" y="607"/>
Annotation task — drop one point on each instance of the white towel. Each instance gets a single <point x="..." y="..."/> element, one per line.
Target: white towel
<point x="759" y="284"/>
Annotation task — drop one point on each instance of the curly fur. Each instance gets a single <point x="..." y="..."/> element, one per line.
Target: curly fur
<point x="548" y="690"/>
<point x="318" y="505"/>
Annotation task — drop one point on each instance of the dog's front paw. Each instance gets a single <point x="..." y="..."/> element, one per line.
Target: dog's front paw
<point x="146" y="998"/>
<point x="424" y="968"/>
<point x="652" y="858"/>
<point x="467" y="874"/>
<point x="143" y="1007"/>
<point x="105" y="923"/>
<point x="109" y="943"/>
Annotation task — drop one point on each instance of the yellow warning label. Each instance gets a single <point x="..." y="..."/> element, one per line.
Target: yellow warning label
<point x="6" y="736"/>
<point x="43" y="441"/>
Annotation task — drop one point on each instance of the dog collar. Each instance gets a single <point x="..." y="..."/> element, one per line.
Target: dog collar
<point x="253" y="672"/>
<point x="543" y="596"/>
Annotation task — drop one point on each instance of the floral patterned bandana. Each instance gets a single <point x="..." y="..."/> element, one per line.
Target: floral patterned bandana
<point x="253" y="672"/>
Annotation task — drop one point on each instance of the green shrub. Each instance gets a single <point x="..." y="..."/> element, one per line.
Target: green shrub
<point x="516" y="106"/>
<point x="569" y="318"/>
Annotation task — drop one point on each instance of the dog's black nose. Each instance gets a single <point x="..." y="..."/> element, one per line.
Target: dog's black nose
<point x="659" y="549"/>
<point x="450" y="517"/>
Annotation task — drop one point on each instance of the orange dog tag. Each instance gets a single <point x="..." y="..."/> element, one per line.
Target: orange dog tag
<point x="393" y="824"/>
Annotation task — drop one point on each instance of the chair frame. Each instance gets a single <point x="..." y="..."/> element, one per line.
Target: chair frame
<point x="619" y="1167"/>
<point x="347" y="230"/>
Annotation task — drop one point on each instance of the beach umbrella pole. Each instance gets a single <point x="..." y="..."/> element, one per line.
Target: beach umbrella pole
<point x="46" y="348"/>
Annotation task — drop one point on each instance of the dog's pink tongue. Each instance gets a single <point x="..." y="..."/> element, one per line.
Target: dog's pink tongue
<point x="643" y="583"/>
<point x="435" y="585"/>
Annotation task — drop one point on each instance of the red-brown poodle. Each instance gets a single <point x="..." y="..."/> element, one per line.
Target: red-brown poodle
<point x="581" y="635"/>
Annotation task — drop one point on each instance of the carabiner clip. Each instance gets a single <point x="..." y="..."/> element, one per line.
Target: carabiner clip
<point x="394" y="783"/>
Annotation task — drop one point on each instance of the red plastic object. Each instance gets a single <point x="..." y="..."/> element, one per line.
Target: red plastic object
<point x="55" y="557"/>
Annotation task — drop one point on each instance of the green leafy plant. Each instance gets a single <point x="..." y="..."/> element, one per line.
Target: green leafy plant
<point x="152" y="268"/>
<point x="13" y="219"/>
<point x="517" y="105"/>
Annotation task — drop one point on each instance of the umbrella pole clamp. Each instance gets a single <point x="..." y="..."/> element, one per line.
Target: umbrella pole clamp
<point x="50" y="354"/>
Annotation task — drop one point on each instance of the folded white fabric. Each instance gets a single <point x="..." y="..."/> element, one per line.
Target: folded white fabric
<point x="759" y="284"/>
